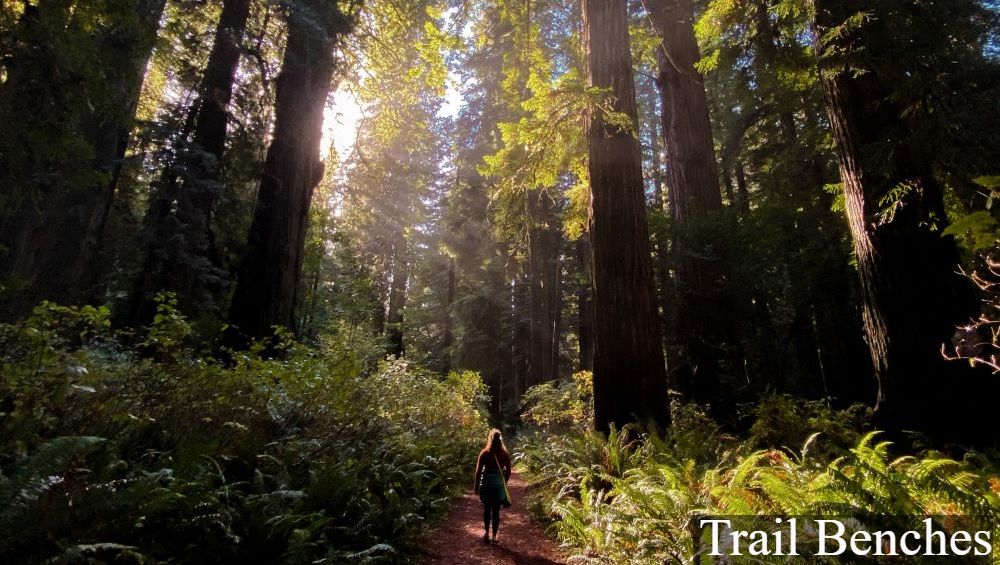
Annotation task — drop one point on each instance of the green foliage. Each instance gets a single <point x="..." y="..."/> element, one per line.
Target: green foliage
<point x="620" y="502"/>
<point x="560" y="405"/>
<point x="976" y="232"/>
<point x="108" y="456"/>
<point x="783" y="420"/>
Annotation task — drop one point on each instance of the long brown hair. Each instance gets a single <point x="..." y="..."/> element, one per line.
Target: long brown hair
<point x="494" y="442"/>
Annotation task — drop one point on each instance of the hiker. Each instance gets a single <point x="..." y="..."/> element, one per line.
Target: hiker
<point x="492" y="474"/>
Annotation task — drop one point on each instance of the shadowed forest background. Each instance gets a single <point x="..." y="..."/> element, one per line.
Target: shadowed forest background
<point x="268" y="268"/>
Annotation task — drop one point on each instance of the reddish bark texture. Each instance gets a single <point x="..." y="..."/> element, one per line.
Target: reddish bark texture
<point x="707" y="319"/>
<point x="629" y="372"/>
<point x="267" y="287"/>
<point x="911" y="294"/>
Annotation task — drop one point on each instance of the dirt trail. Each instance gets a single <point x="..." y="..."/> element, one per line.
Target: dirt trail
<point x="459" y="539"/>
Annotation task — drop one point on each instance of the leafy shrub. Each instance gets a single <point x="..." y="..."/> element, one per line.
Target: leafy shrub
<point x="783" y="420"/>
<point x="560" y="405"/>
<point x="315" y="458"/>
<point x="620" y="500"/>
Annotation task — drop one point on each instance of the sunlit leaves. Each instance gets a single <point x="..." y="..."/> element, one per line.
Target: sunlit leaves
<point x="636" y="502"/>
<point x="977" y="231"/>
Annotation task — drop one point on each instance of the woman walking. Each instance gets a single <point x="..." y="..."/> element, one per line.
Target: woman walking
<point x="492" y="474"/>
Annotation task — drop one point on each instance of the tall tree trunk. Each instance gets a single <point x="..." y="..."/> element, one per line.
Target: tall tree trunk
<point x="194" y="274"/>
<point x="544" y="239"/>
<point x="911" y="295"/>
<point x="585" y="305"/>
<point x="629" y="373"/>
<point x="448" y="338"/>
<point x="266" y="289"/>
<point x="521" y="325"/>
<point x="708" y="324"/>
<point x="51" y="231"/>
<point x="182" y="256"/>
<point x="555" y="300"/>
<point x="661" y="238"/>
<point x="539" y="340"/>
<point x="397" y="300"/>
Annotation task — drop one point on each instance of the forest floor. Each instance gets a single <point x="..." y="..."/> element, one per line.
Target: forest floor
<point x="459" y="539"/>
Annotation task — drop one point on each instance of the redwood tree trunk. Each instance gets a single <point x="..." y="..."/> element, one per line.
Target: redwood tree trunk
<point x="266" y="289"/>
<point x="629" y="372"/>
<point x="911" y="295"/>
<point x="182" y="256"/>
<point x="585" y="305"/>
<point x="51" y="234"/>
<point x="397" y="301"/>
<point x="544" y="241"/>
<point x="707" y="317"/>
<point x="197" y="199"/>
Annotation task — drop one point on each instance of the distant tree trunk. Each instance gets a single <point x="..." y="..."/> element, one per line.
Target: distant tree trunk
<point x="585" y="305"/>
<point x="448" y="338"/>
<point x="911" y="295"/>
<point x="706" y="312"/>
<point x="629" y="373"/>
<point x="539" y="341"/>
<point x="397" y="300"/>
<point x="182" y="256"/>
<point x="266" y="289"/>
<point x="661" y="238"/>
<point x="51" y="234"/>
<point x="544" y="240"/>
<point x="196" y="201"/>
<point x="555" y="299"/>
<point x="742" y="192"/>
<point x="521" y="323"/>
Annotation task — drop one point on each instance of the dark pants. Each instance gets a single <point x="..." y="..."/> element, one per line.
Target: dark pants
<point x="491" y="509"/>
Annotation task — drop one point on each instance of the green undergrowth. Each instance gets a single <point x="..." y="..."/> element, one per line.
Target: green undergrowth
<point x="326" y="456"/>
<point x="635" y="498"/>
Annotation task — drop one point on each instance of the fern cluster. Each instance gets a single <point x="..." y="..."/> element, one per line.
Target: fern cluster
<point x="171" y="457"/>
<point x="619" y="500"/>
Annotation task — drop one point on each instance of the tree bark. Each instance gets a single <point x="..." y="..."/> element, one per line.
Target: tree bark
<point x="911" y="295"/>
<point x="585" y="305"/>
<point x="267" y="286"/>
<point x="52" y="228"/>
<point x="707" y="316"/>
<point x="397" y="300"/>
<point x="194" y="274"/>
<point x="629" y="373"/>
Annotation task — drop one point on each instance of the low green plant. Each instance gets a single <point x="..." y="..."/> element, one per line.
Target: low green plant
<point x="560" y="405"/>
<point x="787" y="421"/>
<point x="319" y="457"/>
<point x="619" y="500"/>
